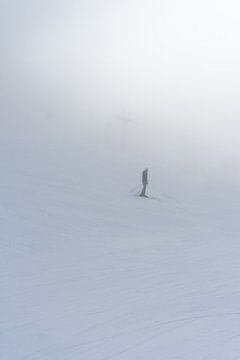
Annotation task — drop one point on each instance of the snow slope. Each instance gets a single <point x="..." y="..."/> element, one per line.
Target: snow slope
<point x="90" y="272"/>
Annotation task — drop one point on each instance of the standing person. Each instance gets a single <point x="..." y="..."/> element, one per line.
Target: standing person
<point x="144" y="182"/>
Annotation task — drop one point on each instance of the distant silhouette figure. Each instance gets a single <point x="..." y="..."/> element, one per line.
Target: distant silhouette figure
<point x="144" y="182"/>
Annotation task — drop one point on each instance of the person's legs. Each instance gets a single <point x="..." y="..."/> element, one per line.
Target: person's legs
<point x="143" y="193"/>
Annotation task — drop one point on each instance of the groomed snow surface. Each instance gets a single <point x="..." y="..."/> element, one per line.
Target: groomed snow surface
<point x="90" y="272"/>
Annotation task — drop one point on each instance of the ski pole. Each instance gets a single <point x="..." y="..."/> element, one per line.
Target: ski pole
<point x="135" y="189"/>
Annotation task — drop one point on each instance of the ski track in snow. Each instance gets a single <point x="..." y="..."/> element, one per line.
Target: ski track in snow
<point x="89" y="272"/>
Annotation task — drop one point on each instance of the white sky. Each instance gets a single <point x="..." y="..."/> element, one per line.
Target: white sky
<point x="173" y="64"/>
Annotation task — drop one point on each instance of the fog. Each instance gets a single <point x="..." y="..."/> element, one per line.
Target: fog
<point x="80" y="68"/>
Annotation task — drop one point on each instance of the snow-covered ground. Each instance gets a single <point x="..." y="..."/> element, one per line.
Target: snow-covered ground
<point x="89" y="272"/>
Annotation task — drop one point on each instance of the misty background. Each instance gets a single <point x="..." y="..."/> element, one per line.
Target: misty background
<point x="73" y="71"/>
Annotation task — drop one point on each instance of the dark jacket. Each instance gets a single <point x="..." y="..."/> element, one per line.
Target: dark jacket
<point x="145" y="177"/>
